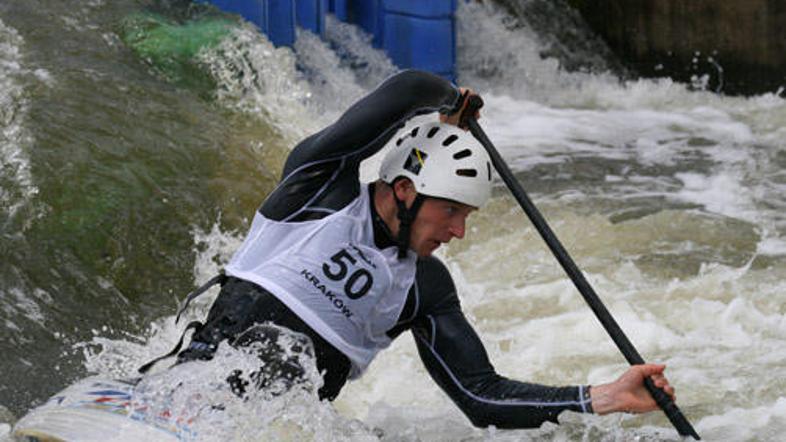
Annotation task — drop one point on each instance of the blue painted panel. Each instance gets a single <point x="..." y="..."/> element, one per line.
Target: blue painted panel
<point x="415" y="33"/>
<point x="280" y="22"/>
<point x="253" y="10"/>
<point x="421" y="8"/>
<point x="413" y="42"/>
<point x="311" y="15"/>
<point x="368" y="14"/>
<point x="276" y="18"/>
<point x="340" y="9"/>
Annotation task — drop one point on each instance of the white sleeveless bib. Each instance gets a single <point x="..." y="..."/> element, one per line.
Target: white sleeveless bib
<point x="330" y="273"/>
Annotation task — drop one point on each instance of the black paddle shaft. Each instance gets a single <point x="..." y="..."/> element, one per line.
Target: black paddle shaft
<point x="617" y="335"/>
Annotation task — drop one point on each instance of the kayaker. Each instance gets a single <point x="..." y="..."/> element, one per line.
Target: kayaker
<point x="350" y="265"/>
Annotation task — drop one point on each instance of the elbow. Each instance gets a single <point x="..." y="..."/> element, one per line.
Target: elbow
<point x="481" y="420"/>
<point x="425" y="85"/>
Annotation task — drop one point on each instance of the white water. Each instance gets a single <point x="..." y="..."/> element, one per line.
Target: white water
<point x="17" y="187"/>
<point x="257" y="78"/>
<point x="670" y="200"/>
<point x="17" y="183"/>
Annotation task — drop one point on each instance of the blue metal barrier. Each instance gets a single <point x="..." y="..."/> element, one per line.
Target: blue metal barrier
<point x="311" y="15"/>
<point x="339" y="9"/>
<point x="415" y="33"/>
<point x="420" y="34"/>
<point x="276" y="18"/>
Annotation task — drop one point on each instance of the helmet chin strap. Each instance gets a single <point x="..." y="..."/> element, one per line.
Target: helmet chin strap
<point x="406" y="217"/>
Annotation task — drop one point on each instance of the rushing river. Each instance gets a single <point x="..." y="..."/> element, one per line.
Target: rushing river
<point x="126" y="179"/>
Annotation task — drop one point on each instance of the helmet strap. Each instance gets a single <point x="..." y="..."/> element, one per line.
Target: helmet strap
<point x="405" y="219"/>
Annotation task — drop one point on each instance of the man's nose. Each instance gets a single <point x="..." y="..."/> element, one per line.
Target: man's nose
<point x="458" y="228"/>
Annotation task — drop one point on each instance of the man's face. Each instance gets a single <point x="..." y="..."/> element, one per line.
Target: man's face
<point x="437" y="222"/>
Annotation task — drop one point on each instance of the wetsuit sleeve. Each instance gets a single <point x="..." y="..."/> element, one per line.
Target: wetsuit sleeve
<point x="456" y="359"/>
<point x="321" y="174"/>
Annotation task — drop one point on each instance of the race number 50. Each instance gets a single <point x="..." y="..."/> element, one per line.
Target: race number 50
<point x="359" y="281"/>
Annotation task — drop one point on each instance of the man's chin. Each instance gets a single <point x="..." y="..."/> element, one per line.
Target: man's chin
<point x="428" y="249"/>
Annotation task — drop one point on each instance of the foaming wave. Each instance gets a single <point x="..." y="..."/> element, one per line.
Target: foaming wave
<point x="658" y="142"/>
<point x="766" y="422"/>
<point x="493" y="57"/>
<point x="334" y="88"/>
<point x="688" y="153"/>
<point x="771" y="246"/>
<point x="633" y="161"/>
<point x="254" y="77"/>
<point x="370" y="66"/>
<point x="121" y="357"/>
<point x="195" y="399"/>
<point x="17" y="181"/>
<point x="341" y="68"/>
<point x="214" y="249"/>
<point x="642" y="135"/>
<point x="301" y="90"/>
<point x="722" y="193"/>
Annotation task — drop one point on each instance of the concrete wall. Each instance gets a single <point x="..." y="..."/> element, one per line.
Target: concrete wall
<point x="741" y="44"/>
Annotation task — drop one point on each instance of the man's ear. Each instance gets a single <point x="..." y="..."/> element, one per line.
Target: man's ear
<point x="404" y="189"/>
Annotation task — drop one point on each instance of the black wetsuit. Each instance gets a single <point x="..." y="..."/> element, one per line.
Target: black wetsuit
<point x="448" y="346"/>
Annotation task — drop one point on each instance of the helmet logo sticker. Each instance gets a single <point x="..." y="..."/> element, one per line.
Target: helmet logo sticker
<point x="415" y="161"/>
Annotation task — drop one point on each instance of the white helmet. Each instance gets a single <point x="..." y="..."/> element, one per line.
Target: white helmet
<point x="442" y="161"/>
